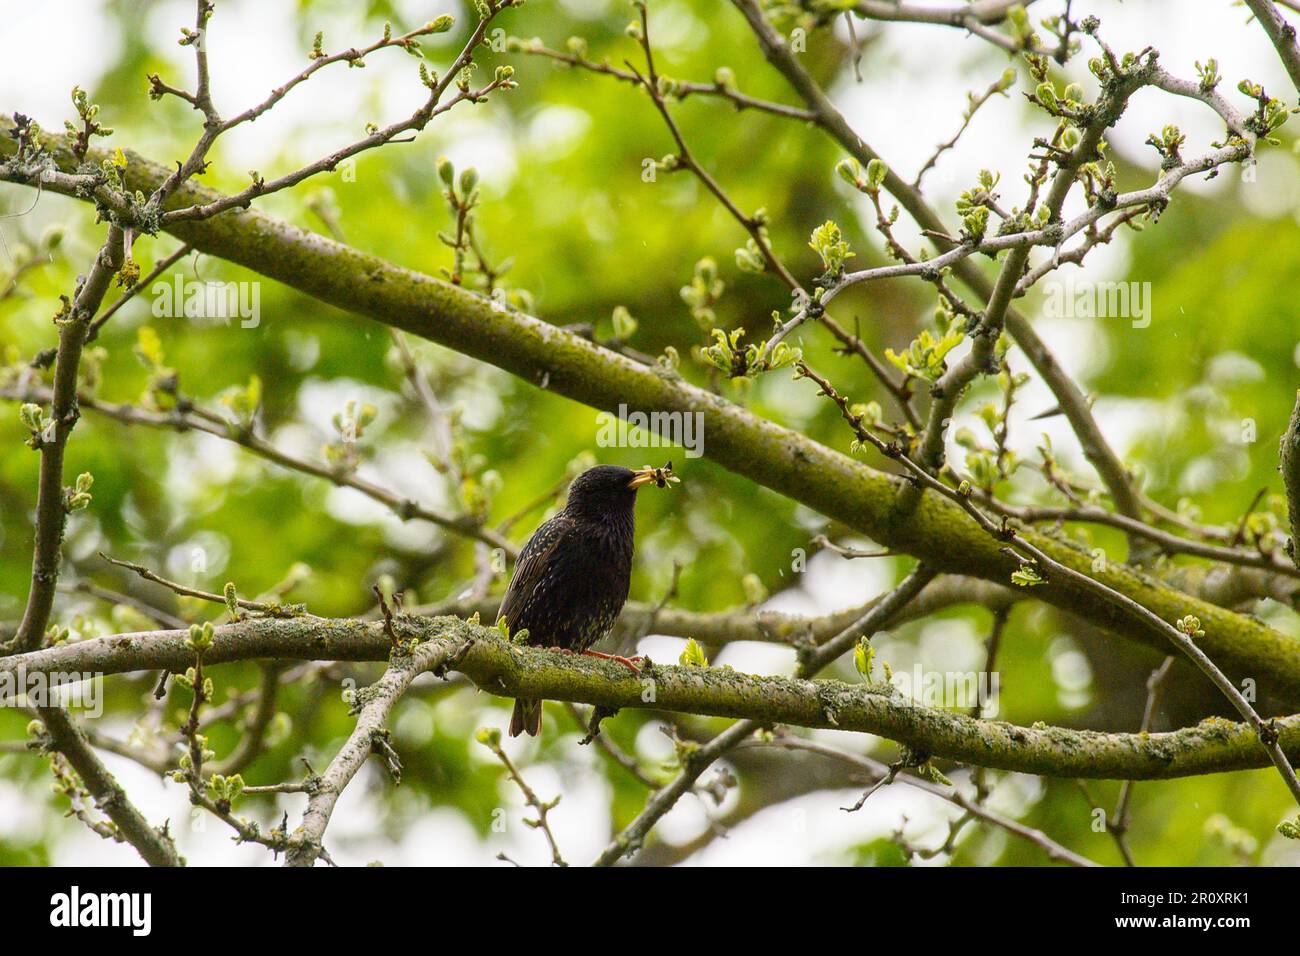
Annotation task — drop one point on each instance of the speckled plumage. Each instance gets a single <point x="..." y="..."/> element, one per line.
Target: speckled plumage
<point x="573" y="575"/>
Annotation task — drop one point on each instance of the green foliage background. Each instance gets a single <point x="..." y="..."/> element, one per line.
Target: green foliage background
<point x="586" y="234"/>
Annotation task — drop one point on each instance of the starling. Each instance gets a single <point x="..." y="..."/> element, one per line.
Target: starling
<point x="572" y="576"/>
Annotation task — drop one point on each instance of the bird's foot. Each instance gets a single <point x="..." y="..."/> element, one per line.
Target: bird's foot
<point x="628" y="662"/>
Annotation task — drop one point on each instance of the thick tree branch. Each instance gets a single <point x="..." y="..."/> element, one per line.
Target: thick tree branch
<point x="1213" y="746"/>
<point x="977" y="18"/>
<point x="1183" y="634"/>
<point x="51" y="502"/>
<point x="1281" y="34"/>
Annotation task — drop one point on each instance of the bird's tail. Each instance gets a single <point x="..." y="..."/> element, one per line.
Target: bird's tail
<point x="527" y="718"/>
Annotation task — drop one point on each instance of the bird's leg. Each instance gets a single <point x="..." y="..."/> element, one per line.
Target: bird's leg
<point x="628" y="662"/>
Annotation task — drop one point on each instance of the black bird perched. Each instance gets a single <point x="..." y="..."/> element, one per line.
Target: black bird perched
<point x="572" y="576"/>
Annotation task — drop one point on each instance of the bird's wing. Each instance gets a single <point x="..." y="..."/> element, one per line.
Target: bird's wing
<point x="531" y="567"/>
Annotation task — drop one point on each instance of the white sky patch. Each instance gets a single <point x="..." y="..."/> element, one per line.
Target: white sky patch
<point x="21" y="818"/>
<point x="484" y="142"/>
<point x="478" y="397"/>
<point x="832" y="583"/>
<point x="952" y="644"/>
<point x="200" y="468"/>
<point x="38" y="77"/>
<point x="319" y="400"/>
<point x="589" y="9"/>
<point x="813" y="828"/>
<point x="556" y="131"/>
<point x="352" y="507"/>
<point x="407" y="471"/>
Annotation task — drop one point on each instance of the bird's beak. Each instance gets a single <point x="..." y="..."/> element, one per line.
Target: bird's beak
<point x="663" y="477"/>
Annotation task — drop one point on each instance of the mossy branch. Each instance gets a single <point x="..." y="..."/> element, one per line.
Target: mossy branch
<point x="502" y="668"/>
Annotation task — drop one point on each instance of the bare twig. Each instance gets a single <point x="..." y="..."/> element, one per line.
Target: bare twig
<point x="492" y="740"/>
<point x="1118" y="823"/>
<point x="953" y="795"/>
<point x="198" y="419"/>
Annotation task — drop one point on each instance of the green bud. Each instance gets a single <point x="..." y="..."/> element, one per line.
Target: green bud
<point x="624" y="324"/>
<point x="52" y="237"/>
<point x="32" y="417"/>
<point x="693" y="655"/>
<point x="200" y="638"/>
<point x="827" y="241"/>
<point x="1026" y="576"/>
<point x="863" y="656"/>
<point x="446" y="171"/>
<point x="849" y="171"/>
<point x="667" y="86"/>
<point x="749" y="259"/>
<point x="876" y="172"/>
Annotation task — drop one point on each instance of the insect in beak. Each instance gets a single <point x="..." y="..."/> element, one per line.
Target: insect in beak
<point x="663" y="477"/>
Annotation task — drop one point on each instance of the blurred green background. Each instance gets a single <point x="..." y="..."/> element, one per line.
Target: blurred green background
<point x="561" y="160"/>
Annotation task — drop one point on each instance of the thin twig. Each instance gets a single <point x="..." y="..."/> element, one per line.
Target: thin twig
<point x="540" y="822"/>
